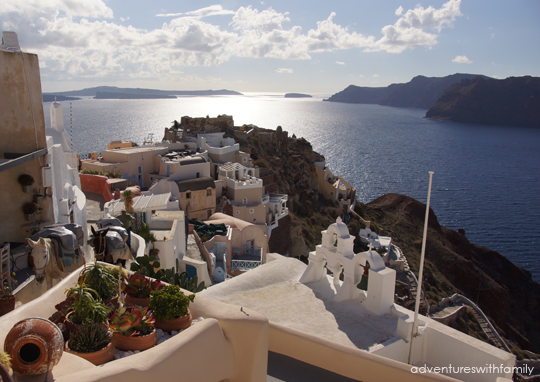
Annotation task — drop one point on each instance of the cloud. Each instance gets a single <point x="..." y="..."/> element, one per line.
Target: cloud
<point x="340" y="63"/>
<point x="124" y="18"/>
<point x="410" y="30"/>
<point x="284" y="71"/>
<point x="462" y="60"/>
<point x="361" y="75"/>
<point x="399" y="11"/>
<point x="213" y="10"/>
<point x="375" y="76"/>
<point x="82" y="39"/>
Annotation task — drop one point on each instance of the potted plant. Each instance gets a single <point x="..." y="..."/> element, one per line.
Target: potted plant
<point x="103" y="280"/>
<point x="171" y="308"/>
<point x="29" y="210"/>
<point x="85" y="308"/>
<point x="138" y="289"/>
<point x="133" y="328"/>
<point x="7" y="298"/>
<point x="26" y="181"/>
<point x="5" y="360"/>
<point x="38" y="196"/>
<point x="92" y="342"/>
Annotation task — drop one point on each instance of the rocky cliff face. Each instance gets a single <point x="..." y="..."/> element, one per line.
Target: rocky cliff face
<point x="505" y="292"/>
<point x="514" y="101"/>
<point x="421" y="92"/>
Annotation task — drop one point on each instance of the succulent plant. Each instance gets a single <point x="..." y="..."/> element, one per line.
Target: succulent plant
<point x="89" y="338"/>
<point x="86" y="306"/>
<point x="5" y="359"/>
<point x="140" y="286"/>
<point x="131" y="321"/>
<point x="170" y="303"/>
<point x="102" y="279"/>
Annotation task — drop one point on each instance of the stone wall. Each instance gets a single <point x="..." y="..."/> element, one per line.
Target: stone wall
<point x="194" y="126"/>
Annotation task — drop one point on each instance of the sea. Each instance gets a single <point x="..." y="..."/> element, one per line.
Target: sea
<point x="486" y="178"/>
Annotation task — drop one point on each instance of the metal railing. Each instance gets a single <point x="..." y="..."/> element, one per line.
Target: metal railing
<point x="244" y="265"/>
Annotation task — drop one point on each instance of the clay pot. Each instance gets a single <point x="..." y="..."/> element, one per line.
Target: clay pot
<point x="136" y="342"/>
<point x="98" y="357"/>
<point x="35" y="346"/>
<point x="7" y="305"/>
<point x="112" y="302"/>
<point x="136" y="301"/>
<point x="176" y="324"/>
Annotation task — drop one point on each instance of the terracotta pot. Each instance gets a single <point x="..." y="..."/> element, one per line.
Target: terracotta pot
<point x="7" y="305"/>
<point x="112" y="302"/>
<point x="98" y="357"/>
<point x="176" y="324"/>
<point x="136" y="301"/>
<point x="134" y="343"/>
<point x="35" y="346"/>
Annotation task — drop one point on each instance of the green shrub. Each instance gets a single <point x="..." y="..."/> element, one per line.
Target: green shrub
<point x="170" y="303"/>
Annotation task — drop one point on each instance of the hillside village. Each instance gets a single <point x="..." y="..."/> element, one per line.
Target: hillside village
<point x="235" y="206"/>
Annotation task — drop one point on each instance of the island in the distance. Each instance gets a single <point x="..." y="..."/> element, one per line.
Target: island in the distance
<point x="55" y="97"/>
<point x="297" y="95"/>
<point x="110" y="95"/>
<point x="92" y="92"/>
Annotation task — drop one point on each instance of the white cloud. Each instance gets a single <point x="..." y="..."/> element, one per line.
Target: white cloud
<point x="399" y="11"/>
<point x="124" y="18"/>
<point x="410" y="30"/>
<point x="81" y="38"/>
<point x="361" y="75"/>
<point x="462" y="60"/>
<point x="213" y="10"/>
<point x="375" y="76"/>
<point x="284" y="70"/>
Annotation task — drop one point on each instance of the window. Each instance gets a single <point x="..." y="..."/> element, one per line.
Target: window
<point x="238" y="212"/>
<point x="251" y="211"/>
<point x="188" y="195"/>
<point x="244" y="200"/>
<point x="208" y="192"/>
<point x="198" y="175"/>
<point x="245" y="159"/>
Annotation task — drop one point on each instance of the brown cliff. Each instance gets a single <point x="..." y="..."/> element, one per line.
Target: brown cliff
<point x="514" y="101"/>
<point x="504" y="291"/>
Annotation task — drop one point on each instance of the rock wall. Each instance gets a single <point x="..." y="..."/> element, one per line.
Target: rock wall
<point x="194" y="126"/>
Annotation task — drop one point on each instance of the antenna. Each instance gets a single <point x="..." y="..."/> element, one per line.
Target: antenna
<point x="70" y="123"/>
<point x="414" y="330"/>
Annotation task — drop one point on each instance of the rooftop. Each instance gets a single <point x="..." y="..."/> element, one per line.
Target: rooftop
<point x="273" y="290"/>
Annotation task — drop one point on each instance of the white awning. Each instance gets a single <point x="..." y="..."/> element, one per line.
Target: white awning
<point x="141" y="203"/>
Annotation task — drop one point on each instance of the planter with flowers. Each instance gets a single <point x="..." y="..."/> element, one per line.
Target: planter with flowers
<point x="171" y="308"/>
<point x="133" y="328"/>
<point x="29" y="209"/>
<point x="26" y="181"/>
<point x="138" y="289"/>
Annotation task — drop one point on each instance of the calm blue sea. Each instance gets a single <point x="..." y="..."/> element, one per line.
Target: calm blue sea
<point x="487" y="178"/>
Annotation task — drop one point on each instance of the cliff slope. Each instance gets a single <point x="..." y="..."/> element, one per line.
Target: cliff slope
<point x="421" y="92"/>
<point x="513" y="101"/>
<point x="504" y="291"/>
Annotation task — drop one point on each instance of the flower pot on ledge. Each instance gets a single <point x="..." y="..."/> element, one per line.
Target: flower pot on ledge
<point x="135" y="342"/>
<point x="177" y="324"/>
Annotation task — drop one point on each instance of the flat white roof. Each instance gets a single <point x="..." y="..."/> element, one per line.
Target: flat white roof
<point x="273" y="289"/>
<point x="142" y="203"/>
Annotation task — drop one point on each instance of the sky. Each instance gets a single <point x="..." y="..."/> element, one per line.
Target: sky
<point x="272" y="45"/>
